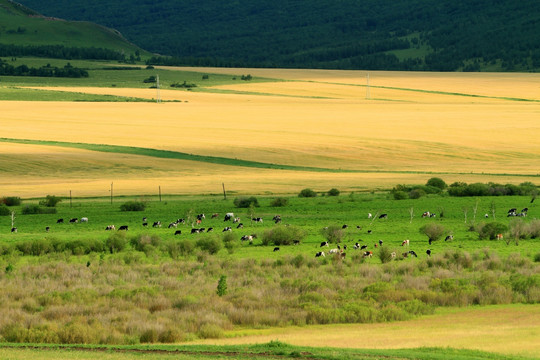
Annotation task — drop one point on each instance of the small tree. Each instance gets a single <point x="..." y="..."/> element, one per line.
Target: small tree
<point x="433" y="231"/>
<point x="222" y="286"/>
<point x="279" y="202"/>
<point x="307" y="193"/>
<point x="437" y="182"/>
<point x="50" y="201"/>
<point x="333" y="233"/>
<point x="333" y="192"/>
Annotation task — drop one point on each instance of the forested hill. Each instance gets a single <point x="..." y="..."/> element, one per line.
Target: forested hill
<point x="443" y="35"/>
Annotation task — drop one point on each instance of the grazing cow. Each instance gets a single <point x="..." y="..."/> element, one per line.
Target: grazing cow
<point x="74" y="220"/>
<point x="380" y="242"/>
<point x="432" y="215"/>
<point x="486" y="215"/>
<point x="257" y="220"/>
<point x="428" y="252"/>
<point x="522" y="214"/>
<point x="227" y="228"/>
<point x="512" y="212"/>
<point x="449" y="238"/>
<point x="499" y="236"/>
<point x="405" y="254"/>
<point x="84" y="219"/>
<point x="369" y="231"/>
<point x="194" y="231"/>
<point x="524" y="210"/>
<point x="368" y="254"/>
<point x="156" y="224"/>
<point x="296" y="242"/>
<point x="47" y="228"/>
<point x="201" y="217"/>
<point x="59" y="221"/>
<point x="363" y="247"/>
<point x="333" y="251"/>
<point x="240" y="226"/>
<point x="358" y="227"/>
<point x="342" y="255"/>
<point x="345" y="226"/>
<point x="210" y="229"/>
<point x="405" y="242"/>
<point x="246" y="238"/>
<point x="344" y="247"/>
<point x="228" y="216"/>
<point x="172" y="225"/>
<point x="412" y="253"/>
<point x="393" y="255"/>
<point x="369" y="216"/>
<point x="181" y="221"/>
<point x="324" y="243"/>
<point x="276" y="249"/>
<point x="214" y="215"/>
<point x="426" y="214"/>
<point x="383" y="216"/>
<point x="144" y="219"/>
<point x="13" y="229"/>
<point x="110" y="227"/>
<point x="123" y="227"/>
<point x="145" y="224"/>
<point x="236" y="220"/>
<point x="201" y="230"/>
<point x="277" y="219"/>
<point x="178" y="232"/>
<point x="319" y="254"/>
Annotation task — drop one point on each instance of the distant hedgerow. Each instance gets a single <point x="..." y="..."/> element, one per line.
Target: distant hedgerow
<point x="133" y="206"/>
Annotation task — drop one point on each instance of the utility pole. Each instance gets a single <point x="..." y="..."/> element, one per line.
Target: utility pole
<point x="368" y="95"/>
<point x="111" y="192"/>
<point x="158" y="98"/>
<point x="224" y="193"/>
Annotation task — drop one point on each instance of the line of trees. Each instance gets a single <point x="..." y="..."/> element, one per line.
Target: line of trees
<point x="61" y="52"/>
<point x="67" y="71"/>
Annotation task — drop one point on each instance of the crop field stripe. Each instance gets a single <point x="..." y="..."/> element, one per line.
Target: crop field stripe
<point x="167" y="154"/>
<point x="426" y="91"/>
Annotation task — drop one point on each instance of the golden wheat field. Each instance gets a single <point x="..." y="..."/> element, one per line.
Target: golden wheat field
<point x="406" y="128"/>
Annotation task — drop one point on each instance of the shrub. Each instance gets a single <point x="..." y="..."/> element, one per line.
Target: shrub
<point x="433" y="231"/>
<point x="333" y="233"/>
<point x="283" y="235"/>
<point x="50" y="201"/>
<point x="4" y="210"/>
<point x="333" y="192"/>
<point x="210" y="331"/>
<point x="385" y="255"/>
<point x="416" y="193"/>
<point x="437" y="182"/>
<point x="210" y="244"/>
<point x="245" y="202"/>
<point x="149" y="336"/>
<point x="145" y="243"/>
<point x="490" y="230"/>
<point x="11" y="201"/>
<point x="229" y="239"/>
<point x="222" y="286"/>
<point x="36" y="209"/>
<point x="537" y="257"/>
<point x="307" y="193"/>
<point x="400" y="195"/>
<point x="116" y="242"/>
<point x="279" y="202"/>
<point x="133" y="206"/>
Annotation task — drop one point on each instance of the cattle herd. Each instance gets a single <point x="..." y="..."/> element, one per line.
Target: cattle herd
<point x="230" y="217"/>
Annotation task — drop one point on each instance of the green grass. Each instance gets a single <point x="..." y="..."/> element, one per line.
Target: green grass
<point x="272" y="350"/>
<point x="20" y="29"/>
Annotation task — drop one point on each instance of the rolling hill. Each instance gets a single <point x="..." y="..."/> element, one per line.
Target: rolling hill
<point x="25" y="32"/>
<point x="433" y="35"/>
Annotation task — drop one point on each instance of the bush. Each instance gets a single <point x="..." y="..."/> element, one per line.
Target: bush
<point x="385" y="255"/>
<point x="333" y="192"/>
<point x="433" y="231"/>
<point x="133" y="206"/>
<point x="333" y="234"/>
<point x="307" y="193"/>
<point x="210" y="244"/>
<point x="11" y="201"/>
<point x="145" y="243"/>
<point x="245" y="202"/>
<point x="437" y="182"/>
<point x="4" y="210"/>
<point x="416" y="193"/>
<point x="400" y="195"/>
<point x="50" y="201"/>
<point x="116" y="242"/>
<point x="36" y="209"/>
<point x="279" y="202"/>
<point x="222" y="286"/>
<point x="229" y="239"/>
<point x="490" y="230"/>
<point x="283" y="235"/>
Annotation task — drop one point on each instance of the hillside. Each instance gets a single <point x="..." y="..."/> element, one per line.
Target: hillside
<point x="438" y="35"/>
<point x="26" y="32"/>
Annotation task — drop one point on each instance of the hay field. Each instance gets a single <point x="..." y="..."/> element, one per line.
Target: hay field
<point x="504" y="329"/>
<point x="466" y="127"/>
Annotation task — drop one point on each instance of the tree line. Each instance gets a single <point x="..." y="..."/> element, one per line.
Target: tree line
<point x="67" y="71"/>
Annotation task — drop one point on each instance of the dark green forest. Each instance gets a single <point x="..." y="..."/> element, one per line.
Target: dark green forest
<point x="432" y="35"/>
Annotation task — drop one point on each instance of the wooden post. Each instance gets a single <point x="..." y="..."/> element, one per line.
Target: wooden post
<point x="224" y="193"/>
<point x="70" y="203"/>
<point x="111" y="192"/>
<point x="159" y="193"/>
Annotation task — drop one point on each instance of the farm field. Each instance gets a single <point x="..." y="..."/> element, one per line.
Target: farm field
<point x="465" y="127"/>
